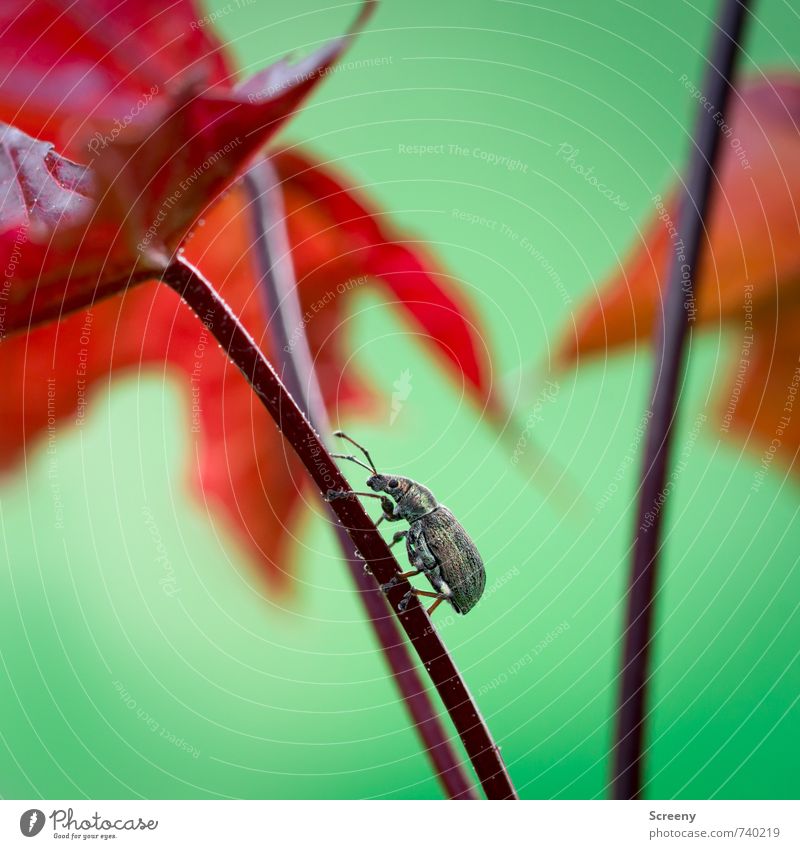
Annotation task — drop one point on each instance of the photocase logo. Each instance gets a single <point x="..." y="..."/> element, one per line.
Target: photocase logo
<point x="402" y="390"/>
<point x="66" y="825"/>
<point x="31" y="822"/>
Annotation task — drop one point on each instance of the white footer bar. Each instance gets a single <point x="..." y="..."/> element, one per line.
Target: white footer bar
<point x="404" y="825"/>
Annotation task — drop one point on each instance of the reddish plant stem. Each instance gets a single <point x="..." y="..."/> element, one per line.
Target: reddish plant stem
<point x="679" y="304"/>
<point x="220" y="320"/>
<point x="293" y="356"/>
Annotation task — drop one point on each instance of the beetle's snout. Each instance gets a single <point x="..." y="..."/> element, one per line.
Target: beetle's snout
<point x="376" y="482"/>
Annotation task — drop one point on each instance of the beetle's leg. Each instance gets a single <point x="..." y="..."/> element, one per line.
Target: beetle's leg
<point x="404" y="601"/>
<point x="420" y="553"/>
<point x="388" y="512"/>
<point x="412" y="543"/>
<point x="435" y="605"/>
<point x="395" y="579"/>
<point x="388" y="516"/>
<point x="386" y="505"/>
<point x="397" y="537"/>
<point x="333" y="494"/>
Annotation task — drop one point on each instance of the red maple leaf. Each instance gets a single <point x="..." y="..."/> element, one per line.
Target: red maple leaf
<point x="747" y="278"/>
<point x="147" y="184"/>
<point x="242" y="468"/>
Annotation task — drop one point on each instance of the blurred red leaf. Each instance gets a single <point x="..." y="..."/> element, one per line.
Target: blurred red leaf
<point x="338" y="237"/>
<point x="55" y="255"/>
<point x="236" y="457"/>
<point x="63" y="65"/>
<point x="750" y="268"/>
<point x="152" y="181"/>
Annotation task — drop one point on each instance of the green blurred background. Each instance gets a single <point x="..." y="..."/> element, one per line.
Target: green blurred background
<point x="112" y="688"/>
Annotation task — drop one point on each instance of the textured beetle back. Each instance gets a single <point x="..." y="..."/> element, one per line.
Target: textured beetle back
<point x="459" y="563"/>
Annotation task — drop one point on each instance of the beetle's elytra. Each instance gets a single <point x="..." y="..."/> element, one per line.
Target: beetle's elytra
<point x="437" y="545"/>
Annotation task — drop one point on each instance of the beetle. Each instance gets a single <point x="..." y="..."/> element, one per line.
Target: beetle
<point x="438" y="546"/>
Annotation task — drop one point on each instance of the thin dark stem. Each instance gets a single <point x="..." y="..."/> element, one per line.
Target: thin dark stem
<point x="293" y="357"/>
<point x="217" y="316"/>
<point x="678" y="311"/>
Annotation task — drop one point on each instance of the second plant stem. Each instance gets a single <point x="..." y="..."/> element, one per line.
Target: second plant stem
<point x="285" y="320"/>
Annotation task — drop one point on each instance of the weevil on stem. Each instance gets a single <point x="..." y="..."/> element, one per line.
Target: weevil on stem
<point x="438" y="546"/>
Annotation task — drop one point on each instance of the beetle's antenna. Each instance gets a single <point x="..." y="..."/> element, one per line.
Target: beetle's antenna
<point x="361" y="448"/>
<point x="353" y="460"/>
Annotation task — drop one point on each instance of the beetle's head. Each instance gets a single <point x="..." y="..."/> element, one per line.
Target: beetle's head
<point x="413" y="499"/>
<point x="392" y="485"/>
